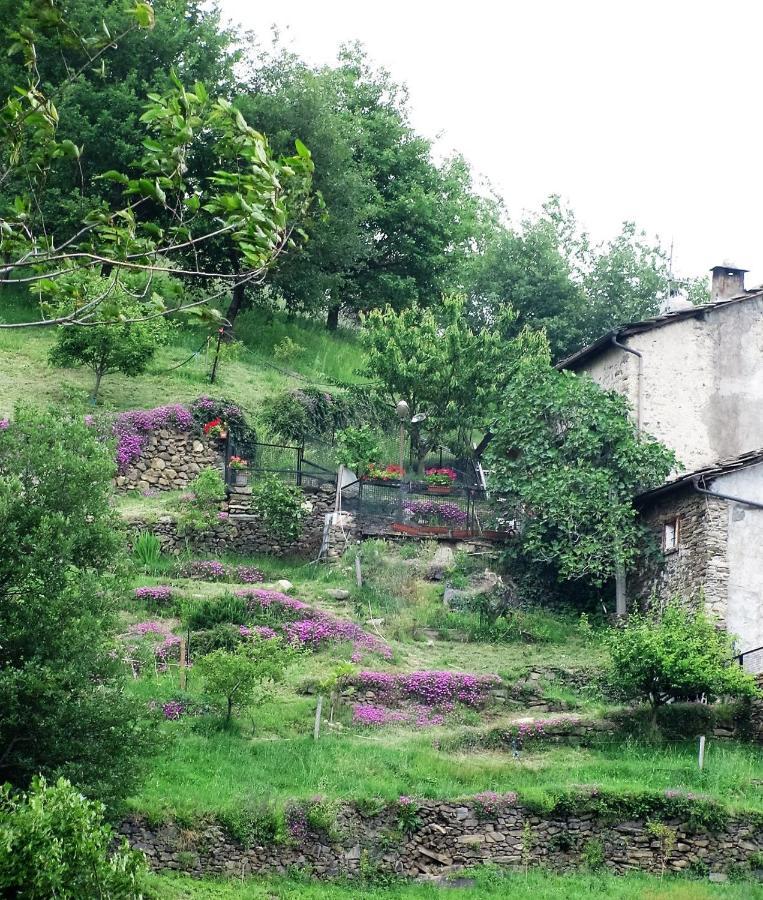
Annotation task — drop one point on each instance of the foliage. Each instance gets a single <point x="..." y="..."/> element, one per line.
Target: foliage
<point x="211" y="611"/>
<point x="396" y="227"/>
<point x="439" y="366"/>
<point x="676" y="654"/>
<point x="280" y="506"/>
<point x="202" y="179"/>
<point x="199" y="508"/>
<point x="567" y="462"/>
<point x="106" y="345"/>
<point x="222" y="636"/>
<point x="55" y="844"/>
<point x="357" y="448"/>
<point x="147" y="551"/>
<point x="240" y="677"/>
<point x="309" y="413"/>
<point x="206" y="409"/>
<point x="64" y="709"/>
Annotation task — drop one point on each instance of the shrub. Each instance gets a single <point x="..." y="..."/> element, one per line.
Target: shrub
<point x="220" y="637"/>
<point x="206" y="409"/>
<point x="357" y="449"/>
<point x="203" y="570"/>
<point x="198" y="509"/>
<point x="280" y="507"/>
<point x="212" y="611"/>
<point x="678" y="654"/>
<point x="156" y="597"/>
<point x="55" y="844"/>
<point x="147" y="551"/>
<point x="253" y="823"/>
<point x="287" y="349"/>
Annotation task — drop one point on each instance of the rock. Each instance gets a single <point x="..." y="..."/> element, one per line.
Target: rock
<point x="441" y="562"/>
<point x="718" y="877"/>
<point x="337" y="594"/>
<point x="158" y="463"/>
<point x="283" y="586"/>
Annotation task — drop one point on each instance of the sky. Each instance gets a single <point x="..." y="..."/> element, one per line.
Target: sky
<point x="647" y="111"/>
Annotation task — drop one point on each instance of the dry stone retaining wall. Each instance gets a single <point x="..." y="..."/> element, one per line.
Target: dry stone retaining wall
<point x="170" y="461"/>
<point x="245" y="533"/>
<point x="450" y="836"/>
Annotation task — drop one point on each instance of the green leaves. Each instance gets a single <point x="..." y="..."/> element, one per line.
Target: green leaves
<point x="143" y="14"/>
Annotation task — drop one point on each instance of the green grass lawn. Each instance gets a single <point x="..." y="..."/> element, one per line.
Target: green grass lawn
<point x="490" y="885"/>
<point x="247" y="374"/>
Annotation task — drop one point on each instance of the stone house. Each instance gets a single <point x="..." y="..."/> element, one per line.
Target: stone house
<point x="708" y="527"/>
<point x="693" y="376"/>
<point x="694" y="380"/>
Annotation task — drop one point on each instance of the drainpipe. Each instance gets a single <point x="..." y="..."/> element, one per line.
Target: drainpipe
<point x="620" y="577"/>
<point x="753" y="503"/>
<point x="639" y="356"/>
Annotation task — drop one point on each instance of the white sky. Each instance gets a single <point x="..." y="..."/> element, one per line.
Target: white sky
<point x="647" y="110"/>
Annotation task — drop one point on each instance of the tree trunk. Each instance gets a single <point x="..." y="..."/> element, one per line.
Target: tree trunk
<point x="237" y="303"/>
<point x="97" y="385"/>
<point x="230" y="711"/>
<point x="332" y="319"/>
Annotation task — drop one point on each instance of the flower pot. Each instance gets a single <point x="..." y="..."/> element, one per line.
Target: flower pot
<point x="241" y="479"/>
<point x="222" y="436"/>
<point x="439" y="489"/>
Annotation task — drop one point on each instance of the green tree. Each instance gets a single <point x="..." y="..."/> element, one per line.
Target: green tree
<point x="673" y="654"/>
<point x="64" y="711"/>
<point x="242" y="677"/>
<point x="396" y="228"/>
<point x="55" y="844"/>
<point x="110" y="347"/>
<point x="442" y="368"/>
<point x="567" y="461"/>
<point x="162" y="212"/>
<point x="280" y="506"/>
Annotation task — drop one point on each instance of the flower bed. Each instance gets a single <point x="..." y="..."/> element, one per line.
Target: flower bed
<point x="308" y="627"/>
<point x="432" y="512"/>
<point x="366" y="715"/>
<point x="213" y="570"/>
<point x="158" y="595"/>
<point x="166" y="645"/>
<point x="430" y="687"/>
<point x="133" y="428"/>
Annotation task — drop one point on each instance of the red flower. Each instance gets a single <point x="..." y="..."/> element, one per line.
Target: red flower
<point x="210" y="425"/>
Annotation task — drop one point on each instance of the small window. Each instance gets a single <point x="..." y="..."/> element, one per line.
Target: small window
<point x="670" y="536"/>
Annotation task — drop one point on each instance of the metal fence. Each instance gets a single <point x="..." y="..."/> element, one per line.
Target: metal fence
<point x="286" y="462"/>
<point x="410" y="507"/>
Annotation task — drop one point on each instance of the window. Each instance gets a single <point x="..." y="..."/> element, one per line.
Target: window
<point x="670" y="535"/>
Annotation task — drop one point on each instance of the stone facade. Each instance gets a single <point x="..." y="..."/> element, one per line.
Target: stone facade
<point x="245" y="534"/>
<point x="701" y="390"/>
<point x="698" y="567"/>
<point x="449" y="837"/>
<point x="170" y="461"/>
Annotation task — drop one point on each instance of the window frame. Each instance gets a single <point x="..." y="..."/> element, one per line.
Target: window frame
<point x="675" y="521"/>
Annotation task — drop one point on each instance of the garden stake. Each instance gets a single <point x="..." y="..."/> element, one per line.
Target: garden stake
<point x="182" y="664"/>
<point x="701" y="752"/>
<point x="318" y="710"/>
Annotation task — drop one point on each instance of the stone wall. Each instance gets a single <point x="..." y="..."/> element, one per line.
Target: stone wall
<point x="244" y="533"/>
<point x="448" y="837"/>
<point x="699" y="565"/>
<point x="170" y="461"/>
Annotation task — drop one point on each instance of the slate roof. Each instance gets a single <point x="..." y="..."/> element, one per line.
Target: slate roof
<point x="694" y="312"/>
<point x="704" y="475"/>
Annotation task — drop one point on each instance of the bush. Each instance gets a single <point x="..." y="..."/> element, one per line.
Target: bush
<point x="357" y="449"/>
<point x="206" y="613"/>
<point x="205" y="409"/>
<point x="55" y="844"/>
<point x="147" y="551"/>
<point x="310" y="413"/>
<point x="219" y="637"/>
<point x="280" y="507"/>
<point x="199" y="509"/>
<point x="679" y="654"/>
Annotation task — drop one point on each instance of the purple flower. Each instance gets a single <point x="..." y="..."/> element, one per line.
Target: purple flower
<point x="173" y="710"/>
<point x="204" y="570"/>
<point x="132" y="428"/>
<point x="89" y="421"/>
<point x="4" y="423"/>
<point x="432" y="512"/>
<point x="222" y="516"/>
<point x="249" y="575"/>
<point x="157" y="594"/>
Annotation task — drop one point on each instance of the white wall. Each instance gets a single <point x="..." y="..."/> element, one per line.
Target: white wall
<point x="744" y="603"/>
<point x="702" y="383"/>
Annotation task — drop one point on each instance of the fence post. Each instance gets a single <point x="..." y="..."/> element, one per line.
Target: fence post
<point x="300" y="453"/>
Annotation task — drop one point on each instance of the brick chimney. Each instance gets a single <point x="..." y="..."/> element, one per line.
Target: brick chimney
<point x="727" y="281"/>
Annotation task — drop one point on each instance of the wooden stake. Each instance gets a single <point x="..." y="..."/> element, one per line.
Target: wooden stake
<point x="318" y="710"/>
<point x="358" y="573"/>
<point x="183" y="661"/>
<point x="702" y="752"/>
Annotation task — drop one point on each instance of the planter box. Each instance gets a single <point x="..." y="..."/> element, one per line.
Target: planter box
<point x="382" y="482"/>
<point x="496" y="535"/>
<point x="441" y="489"/>
<point x="241" y="479"/>
<point x="425" y="530"/>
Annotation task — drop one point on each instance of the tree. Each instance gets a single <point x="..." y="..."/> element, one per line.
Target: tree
<point x="396" y="228"/>
<point x="567" y="462"/>
<point x="161" y="213"/>
<point x="280" y="506"/>
<point x="442" y="368"/>
<point x="107" y="348"/>
<point x="673" y="654"/>
<point x="242" y="676"/>
<point x="64" y="711"/>
<point x="55" y="844"/>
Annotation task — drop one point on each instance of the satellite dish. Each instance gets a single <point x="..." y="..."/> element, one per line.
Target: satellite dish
<point x="419" y="417"/>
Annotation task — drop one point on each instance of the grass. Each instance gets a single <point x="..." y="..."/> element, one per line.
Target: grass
<point x="246" y="373"/>
<point x="488" y="885"/>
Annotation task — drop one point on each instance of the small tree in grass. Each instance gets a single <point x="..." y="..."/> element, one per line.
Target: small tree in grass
<point x="280" y="506"/>
<point x="111" y="343"/>
<point x="242" y="678"/>
<point x="676" y="654"/>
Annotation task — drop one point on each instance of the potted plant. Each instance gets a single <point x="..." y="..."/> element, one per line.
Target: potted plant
<point x="430" y="517"/>
<point x="439" y="480"/>
<point x="216" y="428"/>
<point x="383" y="474"/>
<point x="239" y="467"/>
